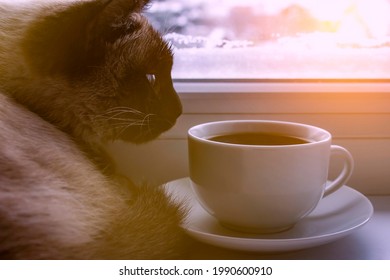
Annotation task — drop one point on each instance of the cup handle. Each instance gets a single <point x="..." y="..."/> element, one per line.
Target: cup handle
<point x="345" y="173"/>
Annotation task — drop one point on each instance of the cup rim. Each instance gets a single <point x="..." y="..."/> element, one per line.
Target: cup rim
<point x="326" y="138"/>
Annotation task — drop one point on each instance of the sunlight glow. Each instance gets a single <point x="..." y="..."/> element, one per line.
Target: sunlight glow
<point x="355" y="20"/>
<point x="375" y="14"/>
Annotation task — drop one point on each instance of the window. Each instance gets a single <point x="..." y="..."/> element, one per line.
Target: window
<point x="283" y="39"/>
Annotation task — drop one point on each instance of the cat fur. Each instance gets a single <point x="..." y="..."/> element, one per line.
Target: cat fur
<point x="74" y="75"/>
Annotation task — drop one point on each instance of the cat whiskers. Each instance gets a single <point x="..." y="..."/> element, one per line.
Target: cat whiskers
<point x="122" y="118"/>
<point x="114" y="113"/>
<point x="125" y="117"/>
<point x="142" y="123"/>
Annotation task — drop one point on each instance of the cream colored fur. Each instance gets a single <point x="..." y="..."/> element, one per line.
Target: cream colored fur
<point x="60" y="197"/>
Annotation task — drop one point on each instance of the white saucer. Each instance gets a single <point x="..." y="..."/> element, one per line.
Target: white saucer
<point x="336" y="216"/>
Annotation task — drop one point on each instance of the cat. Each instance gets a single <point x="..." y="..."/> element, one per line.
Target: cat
<point x="73" y="75"/>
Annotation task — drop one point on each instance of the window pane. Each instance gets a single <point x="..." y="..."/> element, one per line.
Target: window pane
<point x="276" y="39"/>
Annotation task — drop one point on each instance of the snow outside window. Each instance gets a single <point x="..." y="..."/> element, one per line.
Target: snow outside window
<point x="276" y="39"/>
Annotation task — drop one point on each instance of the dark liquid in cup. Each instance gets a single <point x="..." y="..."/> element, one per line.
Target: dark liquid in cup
<point x="258" y="138"/>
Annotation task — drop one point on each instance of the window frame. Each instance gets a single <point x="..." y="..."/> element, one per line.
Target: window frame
<point x="281" y="85"/>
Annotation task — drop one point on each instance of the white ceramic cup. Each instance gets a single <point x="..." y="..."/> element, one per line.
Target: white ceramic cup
<point x="262" y="188"/>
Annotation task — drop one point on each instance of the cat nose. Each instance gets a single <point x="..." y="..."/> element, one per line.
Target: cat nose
<point x="178" y="107"/>
<point x="173" y="108"/>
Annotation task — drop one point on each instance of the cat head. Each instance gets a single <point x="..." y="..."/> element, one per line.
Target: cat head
<point x="115" y="67"/>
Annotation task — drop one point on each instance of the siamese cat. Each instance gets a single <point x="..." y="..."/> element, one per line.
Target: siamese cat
<point x="74" y="75"/>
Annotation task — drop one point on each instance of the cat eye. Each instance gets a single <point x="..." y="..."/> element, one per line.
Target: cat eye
<point x="151" y="78"/>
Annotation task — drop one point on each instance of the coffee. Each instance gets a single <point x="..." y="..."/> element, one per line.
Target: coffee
<point x="258" y="138"/>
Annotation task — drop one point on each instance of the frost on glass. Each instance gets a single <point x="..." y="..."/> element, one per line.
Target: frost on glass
<point x="276" y="39"/>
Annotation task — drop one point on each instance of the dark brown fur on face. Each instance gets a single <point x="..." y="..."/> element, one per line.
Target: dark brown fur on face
<point x="110" y="45"/>
<point x="73" y="75"/>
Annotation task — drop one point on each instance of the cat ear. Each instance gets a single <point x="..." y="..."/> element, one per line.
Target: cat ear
<point x="115" y="8"/>
<point x="114" y="18"/>
<point x="72" y="41"/>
